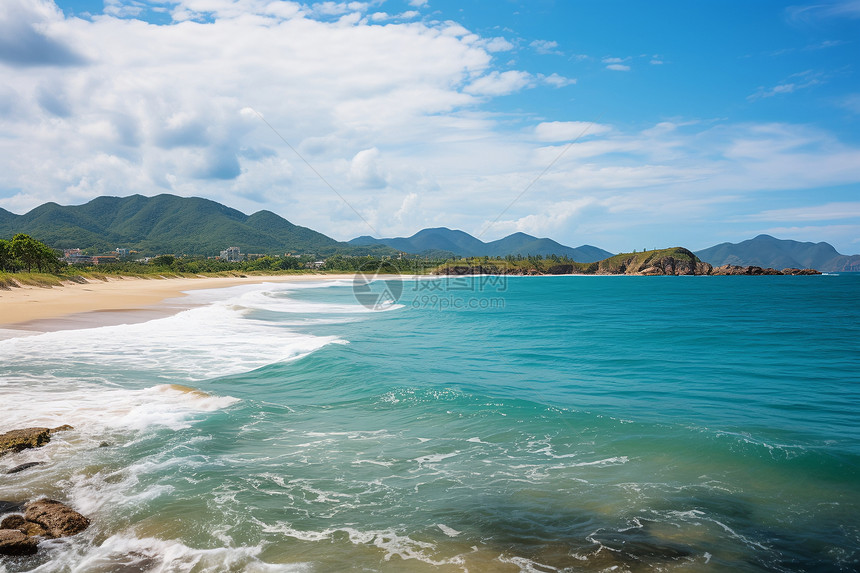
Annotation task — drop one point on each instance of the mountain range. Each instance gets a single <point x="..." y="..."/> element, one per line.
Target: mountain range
<point x="169" y="224"/>
<point x="196" y="226"/>
<point x="441" y="241"/>
<point x="767" y="251"/>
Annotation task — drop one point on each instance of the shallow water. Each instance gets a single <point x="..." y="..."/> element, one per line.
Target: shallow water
<point x="525" y="424"/>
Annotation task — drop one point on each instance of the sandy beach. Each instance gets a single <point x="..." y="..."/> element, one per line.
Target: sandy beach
<point x="32" y="308"/>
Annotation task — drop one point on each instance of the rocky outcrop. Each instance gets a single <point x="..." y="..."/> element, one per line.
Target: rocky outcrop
<point x="23" y="439"/>
<point x="26" y="438"/>
<point x="57" y="519"/>
<point x="13" y="542"/>
<point x="676" y="261"/>
<point x="44" y="518"/>
<point x="759" y="271"/>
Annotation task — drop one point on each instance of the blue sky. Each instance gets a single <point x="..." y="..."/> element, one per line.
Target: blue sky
<point x="621" y="124"/>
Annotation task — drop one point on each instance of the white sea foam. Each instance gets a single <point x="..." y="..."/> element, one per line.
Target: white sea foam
<point x="389" y="541"/>
<point x="93" y="409"/>
<point x="129" y="553"/>
<point x="197" y="344"/>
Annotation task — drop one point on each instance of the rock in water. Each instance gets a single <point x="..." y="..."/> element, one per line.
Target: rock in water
<point x="13" y="542"/>
<point x="17" y="440"/>
<point x="18" y="522"/>
<point x="23" y="467"/>
<point x="58" y="519"/>
<point x="9" y="506"/>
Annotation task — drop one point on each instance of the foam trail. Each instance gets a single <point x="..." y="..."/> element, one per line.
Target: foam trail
<point x="201" y="343"/>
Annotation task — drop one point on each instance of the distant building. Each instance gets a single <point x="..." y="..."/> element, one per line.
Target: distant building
<point x="232" y="254"/>
<point x="120" y="252"/>
<point x="76" y="256"/>
<point x="104" y="259"/>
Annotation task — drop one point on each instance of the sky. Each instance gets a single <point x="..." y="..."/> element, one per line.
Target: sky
<point x="621" y="124"/>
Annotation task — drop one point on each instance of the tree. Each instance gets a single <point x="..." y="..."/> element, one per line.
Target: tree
<point x="6" y="259"/>
<point x="163" y="260"/>
<point x="48" y="260"/>
<point x="26" y="250"/>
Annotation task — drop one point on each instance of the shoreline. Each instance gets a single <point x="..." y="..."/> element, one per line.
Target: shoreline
<point x="31" y="309"/>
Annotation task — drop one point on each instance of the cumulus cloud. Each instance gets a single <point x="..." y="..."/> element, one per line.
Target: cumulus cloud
<point x="365" y="171"/>
<point x="30" y="35"/>
<point x="392" y="113"/>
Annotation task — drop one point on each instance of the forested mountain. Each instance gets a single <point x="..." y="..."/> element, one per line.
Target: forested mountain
<point x="168" y="224"/>
<point x="767" y="251"/>
<point x="444" y="240"/>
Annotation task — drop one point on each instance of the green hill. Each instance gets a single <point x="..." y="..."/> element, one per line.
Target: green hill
<point x="170" y="224"/>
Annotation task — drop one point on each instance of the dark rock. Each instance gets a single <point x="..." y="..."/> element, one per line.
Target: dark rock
<point x="104" y="445"/>
<point x="62" y="428"/>
<point x="58" y="519"/>
<point x="800" y="272"/>
<point x="17" y="440"/>
<point x="7" y="506"/>
<point x="23" y="467"/>
<point x="13" y="542"/>
<point x="18" y="522"/>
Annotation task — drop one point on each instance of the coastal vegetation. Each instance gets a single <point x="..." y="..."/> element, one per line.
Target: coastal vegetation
<point x="25" y="253"/>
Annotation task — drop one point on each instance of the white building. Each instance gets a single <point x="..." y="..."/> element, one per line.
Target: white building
<point x="232" y="254"/>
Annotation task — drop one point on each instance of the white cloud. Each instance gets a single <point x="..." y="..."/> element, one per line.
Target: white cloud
<point x="793" y="83"/>
<point x="500" y="83"/>
<point x="568" y="130"/>
<point x="556" y="80"/>
<point x="393" y="116"/>
<point x="498" y="44"/>
<point x="826" y="212"/>
<point x="546" y="47"/>
<point x="616" y="64"/>
<point x="365" y="170"/>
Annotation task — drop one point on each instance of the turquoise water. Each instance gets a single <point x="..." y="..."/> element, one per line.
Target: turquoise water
<point x="528" y="424"/>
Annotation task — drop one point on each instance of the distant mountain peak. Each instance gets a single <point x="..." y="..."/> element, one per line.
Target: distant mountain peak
<point x="461" y="243"/>
<point x="767" y="251"/>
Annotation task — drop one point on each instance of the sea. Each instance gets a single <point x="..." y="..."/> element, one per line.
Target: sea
<point x="453" y="424"/>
